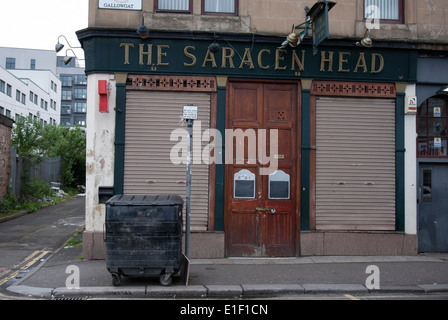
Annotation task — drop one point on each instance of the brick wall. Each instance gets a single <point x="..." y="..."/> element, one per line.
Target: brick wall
<point x="5" y="150"/>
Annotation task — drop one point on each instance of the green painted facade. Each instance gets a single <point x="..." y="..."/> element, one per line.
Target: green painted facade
<point x="252" y="57"/>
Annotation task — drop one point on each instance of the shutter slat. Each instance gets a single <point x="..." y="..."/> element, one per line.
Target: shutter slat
<point x="355" y="164"/>
<point x="151" y="117"/>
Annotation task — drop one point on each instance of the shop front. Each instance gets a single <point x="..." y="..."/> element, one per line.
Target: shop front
<point x="294" y="153"/>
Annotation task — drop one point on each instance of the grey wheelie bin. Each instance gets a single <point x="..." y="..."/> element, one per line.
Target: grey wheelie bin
<point x="143" y="236"/>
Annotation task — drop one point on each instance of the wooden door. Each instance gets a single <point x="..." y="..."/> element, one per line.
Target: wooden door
<point x="261" y="217"/>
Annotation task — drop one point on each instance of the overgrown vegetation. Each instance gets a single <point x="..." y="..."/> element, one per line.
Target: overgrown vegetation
<point x="8" y="203"/>
<point x="35" y="142"/>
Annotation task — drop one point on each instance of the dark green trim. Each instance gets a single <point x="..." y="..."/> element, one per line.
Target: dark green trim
<point x="254" y="56"/>
<point x="305" y="162"/>
<point x="120" y="122"/>
<point x="399" y="162"/>
<point x="220" y="168"/>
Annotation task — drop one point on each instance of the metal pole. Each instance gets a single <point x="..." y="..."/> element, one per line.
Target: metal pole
<point x="189" y="158"/>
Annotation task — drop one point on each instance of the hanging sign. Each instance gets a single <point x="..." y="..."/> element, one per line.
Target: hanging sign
<point x="120" y="4"/>
<point x="190" y="113"/>
<point x="437" y="143"/>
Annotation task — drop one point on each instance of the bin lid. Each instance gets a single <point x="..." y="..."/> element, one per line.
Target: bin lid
<point x="145" y="200"/>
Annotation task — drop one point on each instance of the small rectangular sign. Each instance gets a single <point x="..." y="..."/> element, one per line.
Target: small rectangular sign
<point x="190" y="113"/>
<point x="411" y="105"/>
<point x="120" y="4"/>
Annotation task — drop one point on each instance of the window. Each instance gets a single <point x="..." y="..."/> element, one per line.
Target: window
<point x="65" y="122"/>
<point x="220" y="7"/>
<point x="432" y="120"/>
<point x="18" y="95"/>
<point x="66" y="95"/>
<point x="54" y="86"/>
<point x="81" y="121"/>
<point x="388" y="11"/>
<point x="9" y="90"/>
<point x="23" y="98"/>
<point x="80" y="93"/>
<point x="67" y="81"/>
<point x="10" y="63"/>
<point x="80" y="107"/>
<point x="66" y="109"/>
<point x="33" y="64"/>
<point x="2" y="86"/>
<point x="80" y="79"/>
<point x="173" y="6"/>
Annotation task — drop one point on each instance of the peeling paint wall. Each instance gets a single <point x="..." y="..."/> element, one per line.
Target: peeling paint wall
<point x="100" y="150"/>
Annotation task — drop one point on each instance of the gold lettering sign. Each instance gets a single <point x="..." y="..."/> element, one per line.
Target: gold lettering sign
<point x="330" y="61"/>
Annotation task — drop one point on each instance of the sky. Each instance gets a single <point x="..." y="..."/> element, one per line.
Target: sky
<point x="37" y="24"/>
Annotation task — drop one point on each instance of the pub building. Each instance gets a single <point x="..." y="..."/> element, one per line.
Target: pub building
<point x="314" y="150"/>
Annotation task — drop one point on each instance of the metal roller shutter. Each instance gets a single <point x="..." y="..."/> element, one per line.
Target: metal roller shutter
<point x="151" y="116"/>
<point x="355" y="164"/>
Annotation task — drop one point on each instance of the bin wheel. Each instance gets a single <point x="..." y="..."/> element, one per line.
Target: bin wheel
<point x="166" y="279"/>
<point x="116" y="279"/>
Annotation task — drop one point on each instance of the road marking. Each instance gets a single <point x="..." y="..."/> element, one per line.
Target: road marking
<point x="351" y="297"/>
<point x="23" y="265"/>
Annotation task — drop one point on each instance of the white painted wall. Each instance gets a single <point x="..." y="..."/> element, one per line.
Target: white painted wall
<point x="410" y="168"/>
<point x="100" y="150"/>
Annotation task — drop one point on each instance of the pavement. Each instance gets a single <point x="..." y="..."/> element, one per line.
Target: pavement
<point x="65" y="275"/>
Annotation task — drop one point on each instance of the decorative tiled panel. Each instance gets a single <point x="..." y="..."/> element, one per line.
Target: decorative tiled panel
<point x="353" y="89"/>
<point x="171" y="83"/>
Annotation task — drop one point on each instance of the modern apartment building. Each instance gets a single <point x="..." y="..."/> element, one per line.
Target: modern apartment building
<point x="73" y="93"/>
<point x="29" y="85"/>
<point x="305" y="138"/>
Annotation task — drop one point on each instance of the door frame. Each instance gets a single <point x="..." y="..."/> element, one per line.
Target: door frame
<point x="228" y="176"/>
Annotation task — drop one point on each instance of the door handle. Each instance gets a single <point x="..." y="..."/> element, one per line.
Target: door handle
<point x="271" y="210"/>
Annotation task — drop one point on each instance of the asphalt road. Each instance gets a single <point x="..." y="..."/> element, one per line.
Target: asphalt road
<point x="27" y="241"/>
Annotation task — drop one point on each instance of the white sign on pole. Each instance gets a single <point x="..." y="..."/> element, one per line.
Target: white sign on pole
<point x="190" y="113"/>
<point x="120" y="4"/>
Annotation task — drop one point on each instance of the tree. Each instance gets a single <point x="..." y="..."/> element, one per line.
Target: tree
<point x="26" y="136"/>
<point x="35" y="142"/>
<point x="70" y="145"/>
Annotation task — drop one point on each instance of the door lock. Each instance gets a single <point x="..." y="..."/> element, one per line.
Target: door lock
<point x="272" y="210"/>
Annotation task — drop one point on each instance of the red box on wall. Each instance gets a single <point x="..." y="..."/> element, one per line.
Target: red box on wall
<point x="102" y="91"/>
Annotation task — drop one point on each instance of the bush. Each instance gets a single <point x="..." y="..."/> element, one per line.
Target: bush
<point x="35" y="190"/>
<point x="8" y="203"/>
